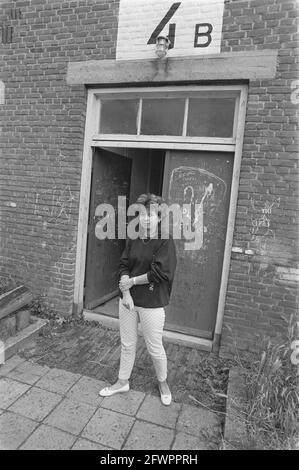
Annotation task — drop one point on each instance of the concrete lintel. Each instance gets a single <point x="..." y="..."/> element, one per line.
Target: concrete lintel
<point x="245" y="65"/>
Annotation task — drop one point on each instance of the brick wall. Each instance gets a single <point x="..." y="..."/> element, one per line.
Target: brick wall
<point x="264" y="274"/>
<point x="42" y="122"/>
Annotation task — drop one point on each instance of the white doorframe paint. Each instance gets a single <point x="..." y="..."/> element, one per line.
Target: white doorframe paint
<point x="93" y="139"/>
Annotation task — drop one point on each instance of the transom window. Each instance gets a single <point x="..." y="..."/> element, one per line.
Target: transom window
<point x="186" y="114"/>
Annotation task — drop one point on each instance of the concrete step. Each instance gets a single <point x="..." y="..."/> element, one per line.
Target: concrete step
<point x="13" y="344"/>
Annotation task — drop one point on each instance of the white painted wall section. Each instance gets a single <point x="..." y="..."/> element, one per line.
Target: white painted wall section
<point x="194" y="25"/>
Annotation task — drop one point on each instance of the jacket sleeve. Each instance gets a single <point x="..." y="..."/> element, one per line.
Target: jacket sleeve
<point x="124" y="261"/>
<point x="164" y="263"/>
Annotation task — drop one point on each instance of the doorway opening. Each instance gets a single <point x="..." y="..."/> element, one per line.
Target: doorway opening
<point x="201" y="179"/>
<point x="116" y="172"/>
<point x="193" y="157"/>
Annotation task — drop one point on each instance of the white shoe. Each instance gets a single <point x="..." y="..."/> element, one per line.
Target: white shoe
<point x="107" y="392"/>
<point x="165" y="399"/>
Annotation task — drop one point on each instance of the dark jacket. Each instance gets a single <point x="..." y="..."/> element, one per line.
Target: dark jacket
<point x="157" y="258"/>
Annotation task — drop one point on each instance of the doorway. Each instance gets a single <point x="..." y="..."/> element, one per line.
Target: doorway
<point x="115" y="172"/>
<point x="201" y="179"/>
<point x="134" y="124"/>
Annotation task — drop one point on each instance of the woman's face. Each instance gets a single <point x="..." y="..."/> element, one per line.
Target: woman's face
<point x="149" y="220"/>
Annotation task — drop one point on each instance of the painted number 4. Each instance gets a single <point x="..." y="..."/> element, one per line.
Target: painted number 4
<point x="202" y="30"/>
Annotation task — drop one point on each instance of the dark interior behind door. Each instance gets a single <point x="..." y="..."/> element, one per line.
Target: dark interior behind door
<point x="110" y="178"/>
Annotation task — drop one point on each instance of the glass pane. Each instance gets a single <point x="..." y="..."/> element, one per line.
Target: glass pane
<point x="211" y="117"/>
<point x="162" y="116"/>
<point x="118" y="116"/>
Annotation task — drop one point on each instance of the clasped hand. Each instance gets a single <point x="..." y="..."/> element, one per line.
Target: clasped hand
<point x="126" y="283"/>
<point x="127" y="300"/>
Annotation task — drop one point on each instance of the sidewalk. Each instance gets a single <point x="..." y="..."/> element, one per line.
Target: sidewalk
<point x="94" y="350"/>
<point x="50" y="408"/>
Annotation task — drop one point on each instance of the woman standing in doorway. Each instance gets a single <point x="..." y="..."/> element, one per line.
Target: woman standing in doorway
<point x="146" y="273"/>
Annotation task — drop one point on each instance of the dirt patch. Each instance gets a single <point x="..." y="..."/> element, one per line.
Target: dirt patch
<point x="195" y="377"/>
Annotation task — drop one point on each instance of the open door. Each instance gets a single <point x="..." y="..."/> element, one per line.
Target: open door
<point x="203" y="178"/>
<point x="111" y="177"/>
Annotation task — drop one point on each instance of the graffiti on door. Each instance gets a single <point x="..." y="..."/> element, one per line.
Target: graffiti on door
<point x="203" y="192"/>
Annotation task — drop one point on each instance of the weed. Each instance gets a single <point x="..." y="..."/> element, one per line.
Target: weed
<point x="272" y="407"/>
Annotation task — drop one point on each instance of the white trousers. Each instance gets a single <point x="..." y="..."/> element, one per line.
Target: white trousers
<point x="152" y="323"/>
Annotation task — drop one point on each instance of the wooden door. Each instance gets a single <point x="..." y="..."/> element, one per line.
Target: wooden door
<point x="203" y="178"/>
<point x="111" y="177"/>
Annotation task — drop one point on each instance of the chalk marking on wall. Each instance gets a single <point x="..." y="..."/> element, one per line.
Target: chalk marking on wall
<point x="60" y="207"/>
<point x="262" y="221"/>
<point x="295" y="93"/>
<point x="61" y="159"/>
<point x="62" y="202"/>
<point x="267" y="244"/>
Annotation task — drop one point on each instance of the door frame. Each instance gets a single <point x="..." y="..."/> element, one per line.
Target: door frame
<point x="93" y="139"/>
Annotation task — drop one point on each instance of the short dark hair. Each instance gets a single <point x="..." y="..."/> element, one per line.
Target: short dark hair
<point x="147" y="199"/>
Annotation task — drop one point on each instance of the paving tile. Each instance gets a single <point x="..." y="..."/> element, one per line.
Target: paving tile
<point x="185" y="441"/>
<point x="108" y="428"/>
<point x="48" y="438"/>
<point x="84" y="444"/>
<point x="152" y="410"/>
<point x="197" y="421"/>
<point x="10" y="390"/>
<point x="58" y="381"/>
<point x="71" y="416"/>
<point x="14" y="429"/>
<point x="36" y="403"/>
<point x="127" y="403"/>
<point x="148" y="436"/>
<point x="86" y="390"/>
<point x="10" y="364"/>
<point x="28" y="372"/>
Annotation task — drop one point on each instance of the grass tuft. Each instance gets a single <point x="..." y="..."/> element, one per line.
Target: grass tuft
<point x="272" y="380"/>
